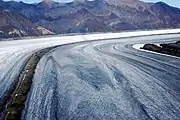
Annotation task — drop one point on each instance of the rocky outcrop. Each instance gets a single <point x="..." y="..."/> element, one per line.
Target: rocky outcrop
<point x="170" y="49"/>
<point x="152" y="47"/>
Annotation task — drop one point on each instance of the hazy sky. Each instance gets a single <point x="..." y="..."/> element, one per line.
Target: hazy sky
<point x="175" y="3"/>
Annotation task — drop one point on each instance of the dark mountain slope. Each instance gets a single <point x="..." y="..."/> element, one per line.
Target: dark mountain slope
<point x="15" y="25"/>
<point x="98" y="15"/>
<point x="170" y="16"/>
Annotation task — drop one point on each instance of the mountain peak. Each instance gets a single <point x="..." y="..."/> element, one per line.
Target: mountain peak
<point x="48" y="1"/>
<point x="48" y="4"/>
<point x="161" y="3"/>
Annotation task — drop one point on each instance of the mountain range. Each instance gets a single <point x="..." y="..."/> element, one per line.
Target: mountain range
<point x="82" y="16"/>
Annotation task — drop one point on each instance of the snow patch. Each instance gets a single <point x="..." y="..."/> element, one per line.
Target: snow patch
<point x="138" y="46"/>
<point x="44" y="31"/>
<point x="14" y="31"/>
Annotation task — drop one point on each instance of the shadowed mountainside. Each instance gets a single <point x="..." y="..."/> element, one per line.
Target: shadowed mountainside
<point x="15" y="25"/>
<point x="98" y="15"/>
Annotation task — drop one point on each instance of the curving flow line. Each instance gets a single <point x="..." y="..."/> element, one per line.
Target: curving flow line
<point x="106" y="80"/>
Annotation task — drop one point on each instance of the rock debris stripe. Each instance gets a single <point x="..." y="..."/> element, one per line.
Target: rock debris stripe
<point x="9" y="93"/>
<point x="13" y="103"/>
